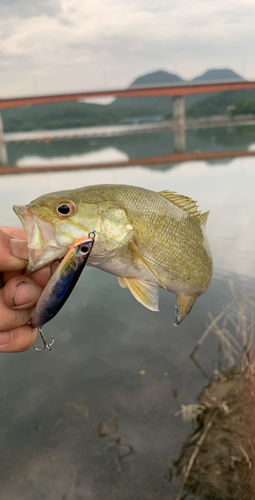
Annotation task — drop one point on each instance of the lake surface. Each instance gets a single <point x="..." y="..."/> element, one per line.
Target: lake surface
<point x="98" y="417"/>
<point x="124" y="147"/>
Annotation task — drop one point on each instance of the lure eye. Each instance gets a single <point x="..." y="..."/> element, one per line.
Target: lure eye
<point x="65" y="209"/>
<point x="84" y="249"/>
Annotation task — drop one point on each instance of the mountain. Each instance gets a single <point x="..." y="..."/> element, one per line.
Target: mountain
<point x="164" y="77"/>
<point x="218" y="74"/>
<point x="159" y="103"/>
<point x="213" y="103"/>
<point x="157" y="77"/>
<point x="211" y="75"/>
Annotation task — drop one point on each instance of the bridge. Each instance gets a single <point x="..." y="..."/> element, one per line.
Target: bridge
<point x="136" y="91"/>
<point x="178" y="92"/>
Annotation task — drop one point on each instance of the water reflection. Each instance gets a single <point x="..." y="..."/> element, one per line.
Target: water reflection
<point x="96" y="417"/>
<point x="131" y="146"/>
<point x="103" y="155"/>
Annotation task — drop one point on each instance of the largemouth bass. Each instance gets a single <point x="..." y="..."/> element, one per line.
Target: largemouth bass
<point x="147" y="239"/>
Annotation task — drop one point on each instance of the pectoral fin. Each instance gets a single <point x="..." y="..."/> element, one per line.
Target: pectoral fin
<point x="183" y="307"/>
<point x="145" y="261"/>
<point x="145" y="293"/>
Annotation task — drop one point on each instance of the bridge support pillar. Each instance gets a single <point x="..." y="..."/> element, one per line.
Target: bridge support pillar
<point x="3" y="149"/>
<point x="179" y="124"/>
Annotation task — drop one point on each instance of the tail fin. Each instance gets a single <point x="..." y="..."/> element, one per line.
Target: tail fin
<point x="183" y="307"/>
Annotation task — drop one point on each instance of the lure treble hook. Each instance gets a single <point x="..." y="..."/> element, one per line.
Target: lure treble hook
<point x="44" y="341"/>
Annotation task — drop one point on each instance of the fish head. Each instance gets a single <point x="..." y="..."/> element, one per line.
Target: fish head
<point x="52" y="223"/>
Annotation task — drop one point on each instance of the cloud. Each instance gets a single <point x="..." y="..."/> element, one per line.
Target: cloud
<point x="28" y="8"/>
<point x="68" y="44"/>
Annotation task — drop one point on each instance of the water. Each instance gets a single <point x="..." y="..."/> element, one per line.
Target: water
<point x="121" y="148"/>
<point x="109" y="386"/>
<point x="98" y="131"/>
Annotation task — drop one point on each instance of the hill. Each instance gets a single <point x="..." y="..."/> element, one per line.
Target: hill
<point x="67" y="115"/>
<point x="164" y="77"/>
<point x="155" y="78"/>
<point x="243" y="101"/>
<point x="218" y="74"/>
<point x="211" y="75"/>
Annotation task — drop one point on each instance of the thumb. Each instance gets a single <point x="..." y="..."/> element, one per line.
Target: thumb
<point x="13" y="253"/>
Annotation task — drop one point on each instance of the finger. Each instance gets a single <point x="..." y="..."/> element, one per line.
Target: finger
<point x="13" y="254"/>
<point x="16" y="232"/>
<point x="21" y="292"/>
<point x="42" y="276"/>
<point x="18" y="339"/>
<point x="8" y="275"/>
<point x="13" y="318"/>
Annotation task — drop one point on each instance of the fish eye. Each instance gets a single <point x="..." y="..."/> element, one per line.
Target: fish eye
<point x="66" y="208"/>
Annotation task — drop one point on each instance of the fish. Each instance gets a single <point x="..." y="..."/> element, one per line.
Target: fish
<point x="62" y="282"/>
<point x="147" y="239"/>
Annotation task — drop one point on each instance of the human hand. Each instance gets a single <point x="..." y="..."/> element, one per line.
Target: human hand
<point x="19" y="292"/>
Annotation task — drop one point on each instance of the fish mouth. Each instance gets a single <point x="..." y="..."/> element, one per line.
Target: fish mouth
<point x="41" y="239"/>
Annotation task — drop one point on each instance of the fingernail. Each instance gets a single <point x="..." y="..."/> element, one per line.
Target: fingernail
<point x="19" y="248"/>
<point x="24" y="294"/>
<point x="4" y="337"/>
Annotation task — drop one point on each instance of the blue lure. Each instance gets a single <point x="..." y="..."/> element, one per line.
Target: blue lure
<point x="61" y="285"/>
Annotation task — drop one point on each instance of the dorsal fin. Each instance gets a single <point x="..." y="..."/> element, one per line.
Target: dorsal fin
<point x="203" y="218"/>
<point x="185" y="203"/>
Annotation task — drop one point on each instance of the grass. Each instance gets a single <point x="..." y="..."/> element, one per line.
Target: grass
<point x="216" y="460"/>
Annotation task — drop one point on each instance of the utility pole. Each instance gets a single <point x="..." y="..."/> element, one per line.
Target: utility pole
<point x="3" y="150"/>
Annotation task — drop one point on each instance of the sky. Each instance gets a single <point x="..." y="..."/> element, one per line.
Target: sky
<point x="55" y="46"/>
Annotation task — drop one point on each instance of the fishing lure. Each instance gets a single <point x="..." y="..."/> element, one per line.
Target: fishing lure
<point x="61" y="285"/>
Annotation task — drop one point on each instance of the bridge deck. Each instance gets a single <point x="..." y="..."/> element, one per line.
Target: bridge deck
<point x="164" y="90"/>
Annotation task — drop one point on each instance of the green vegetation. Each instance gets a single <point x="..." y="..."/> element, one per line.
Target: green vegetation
<point x="244" y="106"/>
<point x="68" y="115"/>
<point x="216" y="104"/>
